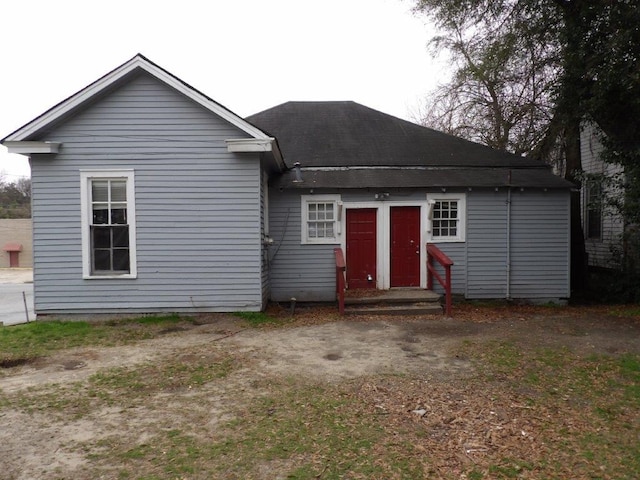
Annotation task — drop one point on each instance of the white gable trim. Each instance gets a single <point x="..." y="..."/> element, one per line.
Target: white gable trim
<point x="27" y="148"/>
<point x="137" y="62"/>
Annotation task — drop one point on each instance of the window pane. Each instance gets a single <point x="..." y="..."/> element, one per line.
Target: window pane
<point x="118" y="191"/>
<point x="101" y="260"/>
<point x="313" y="211"/>
<point x="329" y="231"/>
<point x="313" y="232"/>
<point x="100" y="191"/>
<point x="329" y="211"/>
<point x="119" y="215"/>
<point x="100" y="214"/>
<point x="120" y="236"/>
<point x="121" y="259"/>
<point x="101" y="237"/>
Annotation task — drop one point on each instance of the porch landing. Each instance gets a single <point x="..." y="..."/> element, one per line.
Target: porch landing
<point x="396" y="301"/>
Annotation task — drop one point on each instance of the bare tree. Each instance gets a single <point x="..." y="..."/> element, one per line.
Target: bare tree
<point x="501" y="93"/>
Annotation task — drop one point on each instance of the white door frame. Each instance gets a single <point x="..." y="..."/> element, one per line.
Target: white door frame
<point x="383" y="236"/>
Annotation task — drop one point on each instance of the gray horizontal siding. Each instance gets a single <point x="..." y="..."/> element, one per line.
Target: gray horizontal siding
<point x="306" y="272"/>
<point x="486" y="244"/>
<point x="539" y="248"/>
<point x="197" y="207"/>
<point x="457" y="253"/>
<point x="540" y="244"/>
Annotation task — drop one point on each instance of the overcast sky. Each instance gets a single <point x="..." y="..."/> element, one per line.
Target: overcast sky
<point x="248" y="55"/>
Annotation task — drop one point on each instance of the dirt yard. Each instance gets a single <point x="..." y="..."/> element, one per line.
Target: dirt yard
<point x="63" y="417"/>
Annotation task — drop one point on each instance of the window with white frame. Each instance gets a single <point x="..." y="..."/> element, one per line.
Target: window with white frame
<point x="108" y="224"/>
<point x="447" y="213"/>
<point x="320" y="218"/>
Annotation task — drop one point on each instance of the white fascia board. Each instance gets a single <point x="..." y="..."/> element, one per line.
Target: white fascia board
<point x="111" y="78"/>
<point x="27" y="148"/>
<point x="249" y="145"/>
<point x="246" y="145"/>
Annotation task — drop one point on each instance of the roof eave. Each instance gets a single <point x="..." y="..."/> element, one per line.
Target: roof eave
<point x="248" y="145"/>
<point x="28" y="148"/>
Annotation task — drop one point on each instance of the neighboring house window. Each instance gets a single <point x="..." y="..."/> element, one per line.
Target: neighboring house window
<point x="320" y="218"/>
<point x="108" y="224"/>
<point x="594" y="211"/>
<point x="446" y="217"/>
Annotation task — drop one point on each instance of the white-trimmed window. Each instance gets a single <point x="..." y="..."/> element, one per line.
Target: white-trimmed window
<point x="447" y="213"/>
<point x="320" y="218"/>
<point x="108" y="224"/>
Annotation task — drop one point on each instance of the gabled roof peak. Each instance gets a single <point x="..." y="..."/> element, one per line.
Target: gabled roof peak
<point x="137" y="63"/>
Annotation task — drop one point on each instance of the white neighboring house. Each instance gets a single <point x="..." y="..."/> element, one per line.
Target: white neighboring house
<point x="602" y="225"/>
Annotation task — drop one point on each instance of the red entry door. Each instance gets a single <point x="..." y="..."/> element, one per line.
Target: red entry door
<point x="405" y="246"/>
<point x="361" y="248"/>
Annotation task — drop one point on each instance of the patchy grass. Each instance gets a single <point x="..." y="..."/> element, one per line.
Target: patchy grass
<point x="257" y="319"/>
<point x="628" y="311"/>
<point x="578" y="419"/>
<point x="524" y="411"/>
<point x="180" y="373"/>
<point x="32" y="340"/>
<point x="583" y="410"/>
<point x="123" y="387"/>
<point x="297" y="431"/>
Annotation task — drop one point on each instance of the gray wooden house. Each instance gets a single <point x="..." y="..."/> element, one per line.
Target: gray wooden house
<point x="603" y="226"/>
<point x="149" y="196"/>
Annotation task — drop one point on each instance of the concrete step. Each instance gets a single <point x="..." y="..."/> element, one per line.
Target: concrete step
<point x="396" y="301"/>
<point x="394" y="295"/>
<point x="427" y="308"/>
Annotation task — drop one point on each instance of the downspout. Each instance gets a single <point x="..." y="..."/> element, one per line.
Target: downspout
<point x="508" y="253"/>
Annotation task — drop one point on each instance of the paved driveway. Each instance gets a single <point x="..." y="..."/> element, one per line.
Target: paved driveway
<point x="16" y="284"/>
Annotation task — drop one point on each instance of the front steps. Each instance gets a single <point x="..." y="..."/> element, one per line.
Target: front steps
<point x="396" y="301"/>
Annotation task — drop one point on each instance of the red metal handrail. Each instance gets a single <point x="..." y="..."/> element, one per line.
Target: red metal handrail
<point x="434" y="253"/>
<point x="341" y="279"/>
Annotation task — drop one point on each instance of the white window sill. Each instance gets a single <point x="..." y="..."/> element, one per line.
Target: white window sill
<point x="109" y="277"/>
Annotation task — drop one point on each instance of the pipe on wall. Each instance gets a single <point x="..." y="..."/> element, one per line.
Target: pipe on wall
<point x="508" y="246"/>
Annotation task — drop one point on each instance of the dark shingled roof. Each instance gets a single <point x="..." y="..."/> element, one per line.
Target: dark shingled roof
<point x="421" y="178"/>
<point x="347" y="134"/>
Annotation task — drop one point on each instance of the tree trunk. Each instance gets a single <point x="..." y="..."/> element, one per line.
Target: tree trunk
<point x="571" y="112"/>
<point x="579" y="259"/>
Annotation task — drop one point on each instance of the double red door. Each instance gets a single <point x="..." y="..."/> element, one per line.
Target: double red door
<point x="362" y="247"/>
